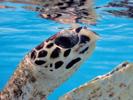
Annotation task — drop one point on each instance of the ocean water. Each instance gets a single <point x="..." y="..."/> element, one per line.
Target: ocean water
<point x="21" y="30"/>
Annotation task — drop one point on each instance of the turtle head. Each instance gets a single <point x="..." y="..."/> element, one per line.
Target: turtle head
<point x="64" y="50"/>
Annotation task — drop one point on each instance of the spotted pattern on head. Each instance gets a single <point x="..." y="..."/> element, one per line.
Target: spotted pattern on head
<point x="58" y="64"/>
<point x="50" y="45"/>
<point x="51" y="65"/>
<point x="55" y="53"/>
<point x="42" y="53"/>
<point x="73" y="62"/>
<point x="39" y="62"/>
<point x="63" y="50"/>
<point x="33" y="54"/>
<point x="67" y="52"/>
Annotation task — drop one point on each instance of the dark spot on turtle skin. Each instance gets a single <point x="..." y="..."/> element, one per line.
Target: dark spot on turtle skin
<point x="125" y="64"/>
<point x="57" y="15"/>
<point x="40" y="62"/>
<point x="82" y="2"/>
<point x="51" y="65"/>
<point x="46" y="66"/>
<point x="67" y="52"/>
<point x="60" y="4"/>
<point x="55" y="53"/>
<point x="71" y="63"/>
<point x="117" y="69"/>
<point x="112" y="72"/>
<point x="33" y="54"/>
<point x="32" y="79"/>
<point x="45" y="5"/>
<point x="51" y="70"/>
<point x="69" y="3"/>
<point x="67" y="41"/>
<point x="78" y="29"/>
<point x="42" y="53"/>
<point x="49" y="16"/>
<point x="18" y="82"/>
<point x="62" y="7"/>
<point x="85" y="13"/>
<point x="40" y="46"/>
<point x="111" y="94"/>
<point x="49" y="45"/>
<point x="58" y="64"/>
<point x="83" y="51"/>
<point x="84" y="39"/>
<point x="17" y="92"/>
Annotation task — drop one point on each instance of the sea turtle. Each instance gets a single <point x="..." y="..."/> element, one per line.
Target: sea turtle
<point x="50" y="64"/>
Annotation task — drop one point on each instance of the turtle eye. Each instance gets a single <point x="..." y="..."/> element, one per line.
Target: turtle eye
<point x="84" y="39"/>
<point x="67" y="41"/>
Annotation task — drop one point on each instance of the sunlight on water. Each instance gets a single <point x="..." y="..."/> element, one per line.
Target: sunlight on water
<point x="21" y="30"/>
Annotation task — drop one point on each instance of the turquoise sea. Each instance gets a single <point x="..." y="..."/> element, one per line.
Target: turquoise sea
<point x="21" y="30"/>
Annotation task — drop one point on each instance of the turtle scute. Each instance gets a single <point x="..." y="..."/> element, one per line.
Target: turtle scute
<point x="67" y="40"/>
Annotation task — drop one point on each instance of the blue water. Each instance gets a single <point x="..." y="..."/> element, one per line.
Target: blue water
<point x="21" y="30"/>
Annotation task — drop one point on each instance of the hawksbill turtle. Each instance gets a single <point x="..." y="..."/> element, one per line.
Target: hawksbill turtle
<point x="49" y="64"/>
